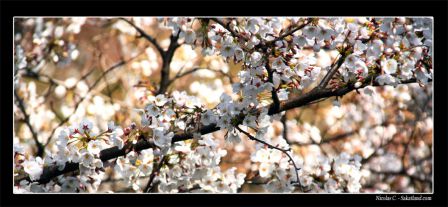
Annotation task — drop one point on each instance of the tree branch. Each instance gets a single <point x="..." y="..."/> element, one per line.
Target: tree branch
<point x="287" y="33"/>
<point x="261" y="141"/>
<point x="114" y="152"/>
<point x="156" y="170"/>
<point x="166" y="58"/>
<point x="40" y="147"/>
<point x="334" y="68"/>
<point x="145" y="35"/>
<point x="285" y="128"/>
<point x="284" y="151"/>
<point x="113" y="67"/>
<point x="227" y="27"/>
<point x="180" y="75"/>
<point x="276" y="104"/>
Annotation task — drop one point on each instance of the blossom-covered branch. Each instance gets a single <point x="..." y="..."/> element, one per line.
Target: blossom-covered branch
<point x="114" y="152"/>
<point x="165" y="140"/>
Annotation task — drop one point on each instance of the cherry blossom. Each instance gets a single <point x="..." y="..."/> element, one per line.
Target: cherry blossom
<point x="179" y="138"/>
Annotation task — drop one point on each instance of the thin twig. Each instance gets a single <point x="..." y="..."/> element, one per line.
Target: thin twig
<point x="284" y="151"/>
<point x="117" y="65"/>
<point x="290" y="32"/>
<point x="334" y="68"/>
<point x="285" y="128"/>
<point x="40" y="147"/>
<point x="180" y="75"/>
<point x="156" y="170"/>
<point x="227" y="27"/>
<point x="145" y="35"/>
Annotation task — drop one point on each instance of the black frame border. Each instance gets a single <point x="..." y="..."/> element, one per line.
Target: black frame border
<point x="437" y="9"/>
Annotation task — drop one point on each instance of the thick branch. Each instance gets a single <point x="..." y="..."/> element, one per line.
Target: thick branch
<point x="114" y="152"/>
<point x="166" y="58"/>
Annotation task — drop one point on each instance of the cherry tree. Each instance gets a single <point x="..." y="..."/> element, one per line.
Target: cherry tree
<point x="320" y="105"/>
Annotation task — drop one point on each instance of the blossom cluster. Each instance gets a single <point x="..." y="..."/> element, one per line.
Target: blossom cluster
<point x="194" y="167"/>
<point x="317" y="172"/>
<point x="81" y="144"/>
<point x="49" y="34"/>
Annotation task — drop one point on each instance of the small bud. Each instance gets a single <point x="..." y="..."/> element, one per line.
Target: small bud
<point x="127" y="131"/>
<point x="358" y="84"/>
